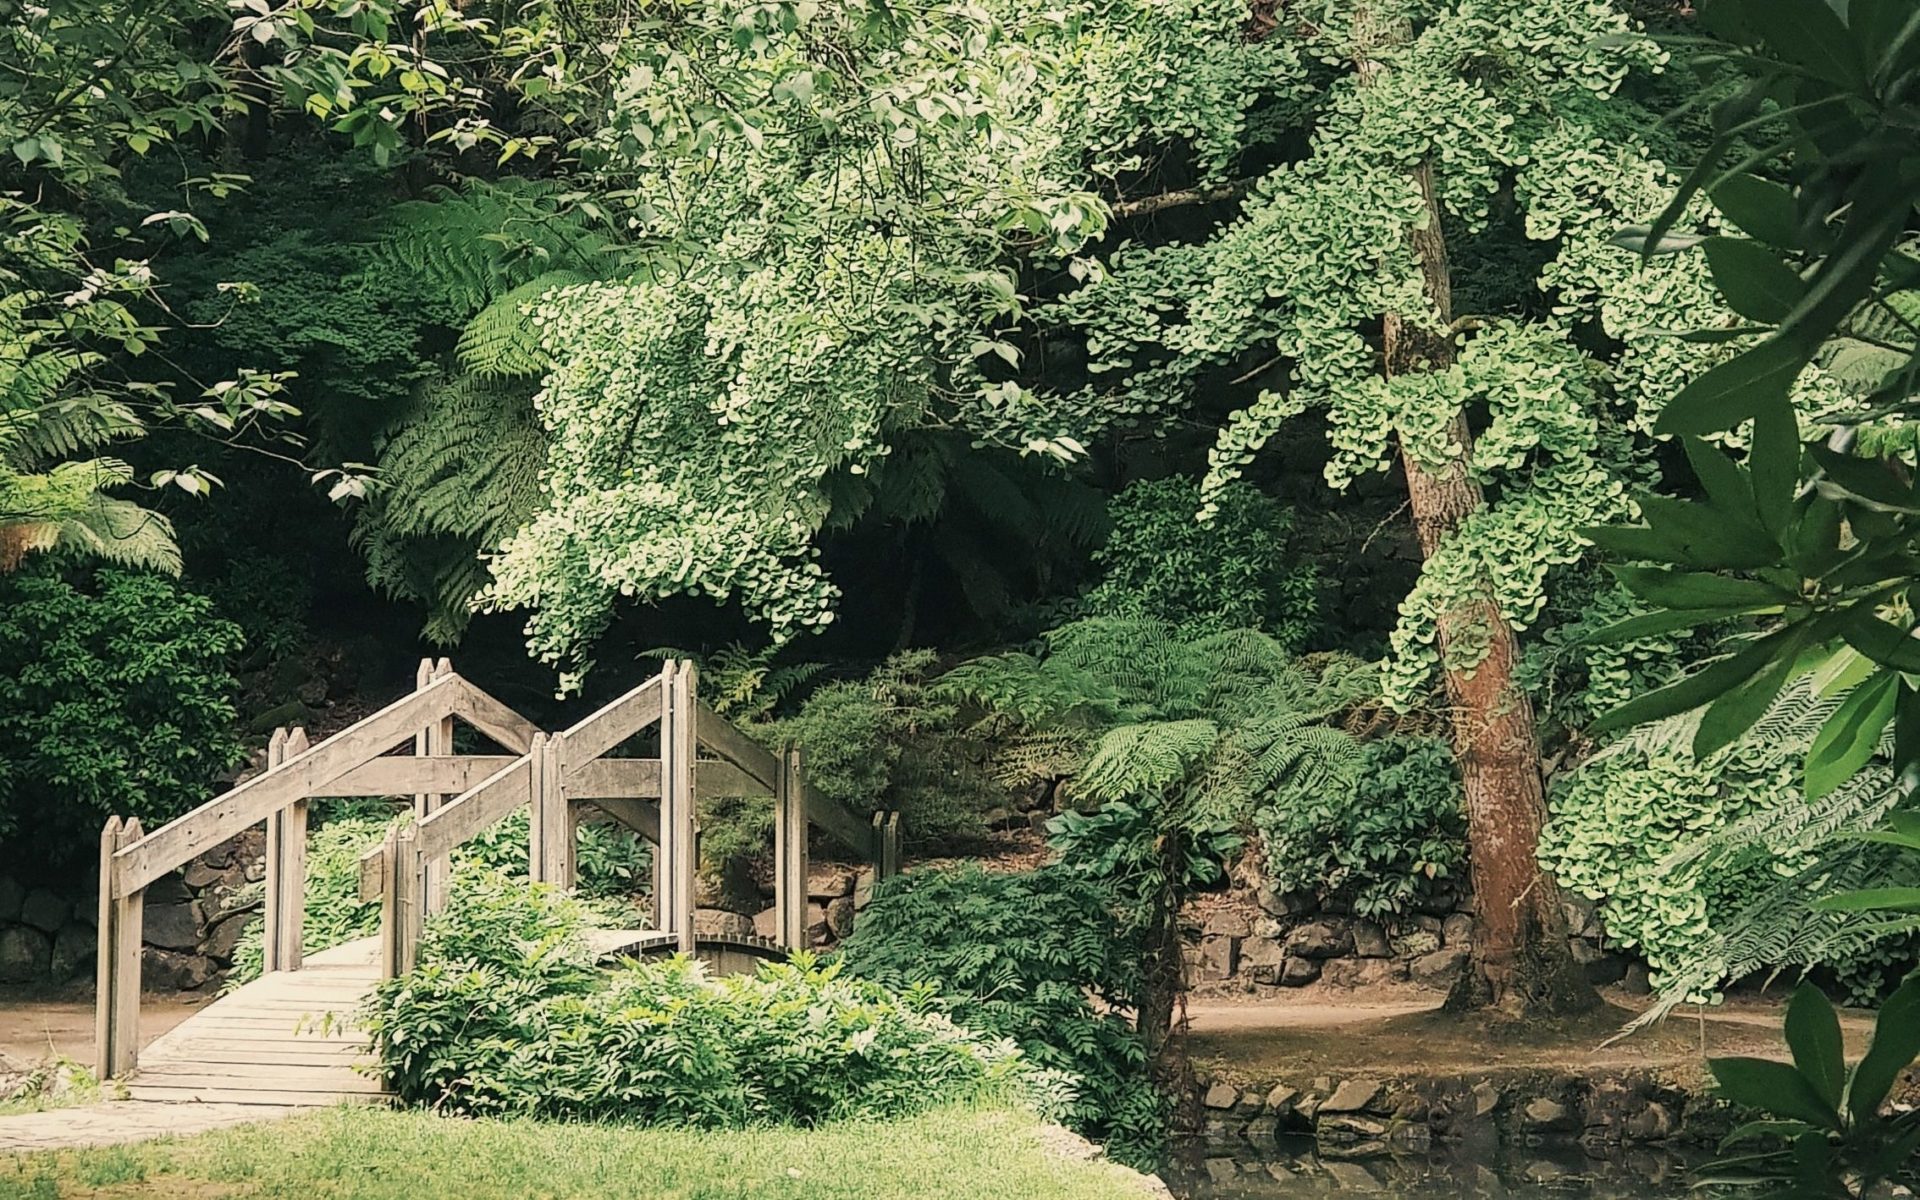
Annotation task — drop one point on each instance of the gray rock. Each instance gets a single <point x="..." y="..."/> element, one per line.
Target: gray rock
<point x="829" y="881"/>
<point x="1636" y="981"/>
<point x="1351" y="1176"/>
<point x="1439" y="969"/>
<point x="73" y="951"/>
<point x="1222" y="1170"/>
<point x="1220" y="1096"/>
<point x="201" y="874"/>
<point x="766" y="922"/>
<point x="24" y="953"/>
<point x="1414" y="1136"/>
<point x="12" y="895"/>
<point x="45" y="911"/>
<point x="1260" y="952"/>
<point x="170" y="889"/>
<point x="168" y="971"/>
<point x="1583" y="916"/>
<point x="1263" y="1133"/>
<point x="1651" y="1124"/>
<point x="840" y="917"/>
<point x="1228" y="922"/>
<point x="818" y="932"/>
<point x="1281" y="1099"/>
<point x="1486" y="1098"/>
<point x="256" y="870"/>
<point x="1352" y="1096"/>
<point x="1277" y="903"/>
<point x="1457" y="930"/>
<point x="171" y="926"/>
<point x="1348" y="1127"/>
<point x="1370" y="941"/>
<point x="1037" y="821"/>
<point x="1299" y="972"/>
<point x="1321" y="939"/>
<point x="224" y="936"/>
<point x="863" y="889"/>
<point x="996" y="818"/>
<point x="1544" y="1113"/>
<point x="718" y="922"/>
<point x="1271" y="929"/>
<point x="1415" y="943"/>
<point x="1219" y="957"/>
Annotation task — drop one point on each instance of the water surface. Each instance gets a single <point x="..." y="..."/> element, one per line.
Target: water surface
<point x="1296" y="1171"/>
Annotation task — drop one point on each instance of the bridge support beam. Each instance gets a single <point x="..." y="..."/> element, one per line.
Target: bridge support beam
<point x="435" y="740"/>
<point x="284" y="924"/>
<point x="550" y="848"/>
<point x="790" y="854"/>
<point x="116" y="1033"/>
<point x="677" y="853"/>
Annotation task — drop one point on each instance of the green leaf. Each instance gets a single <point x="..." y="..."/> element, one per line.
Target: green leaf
<point x="1753" y="280"/>
<point x="1896" y="1042"/>
<point x="1849" y="737"/>
<point x="1735" y="391"/>
<point x="1858" y="477"/>
<point x="1809" y="33"/>
<point x="1653" y="624"/>
<point x="1884" y="643"/>
<point x="1772" y="1087"/>
<point x="1689" y="534"/>
<point x="1697" y="689"/>
<point x="1726" y="485"/>
<point x="1759" y="208"/>
<point x="1644" y="240"/>
<point x="1773" y="461"/>
<point x="1881" y="899"/>
<point x="1813" y="1034"/>
<point x="1695" y="589"/>
<point x="1741" y="705"/>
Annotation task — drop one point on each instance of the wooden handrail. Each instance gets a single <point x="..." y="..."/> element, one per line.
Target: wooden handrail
<point x="615" y="722"/>
<point x="299" y="777"/>
<point x="475" y="809"/>
<point x="722" y="737"/>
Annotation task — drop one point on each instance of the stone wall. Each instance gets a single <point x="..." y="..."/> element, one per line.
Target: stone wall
<point x="192" y="922"/>
<point x="1260" y="939"/>
<point x="1364" y="1116"/>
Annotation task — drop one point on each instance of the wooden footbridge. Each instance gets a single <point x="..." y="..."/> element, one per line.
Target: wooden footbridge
<point x="288" y="1037"/>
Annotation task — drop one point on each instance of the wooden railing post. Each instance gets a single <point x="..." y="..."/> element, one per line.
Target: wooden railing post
<point x="116" y="1013"/>
<point x="886" y="845"/>
<point x="550" y="847"/>
<point x="285" y="922"/>
<point x="790" y="853"/>
<point x="678" y="717"/>
<point x="402" y="911"/>
<point x="435" y="739"/>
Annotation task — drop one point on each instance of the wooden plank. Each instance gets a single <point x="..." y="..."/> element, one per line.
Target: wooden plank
<point x="790" y="855"/>
<point x="215" y="1095"/>
<point x="477" y="808"/>
<point x="616" y="721"/>
<point x="850" y="831"/>
<point x="373" y="870"/>
<point x="342" y="1081"/>
<point x="116" y="1015"/>
<point x="641" y="816"/>
<point x="679" y="746"/>
<point x="491" y="717"/>
<point x="296" y="779"/>
<point x="271" y="925"/>
<point x="549" y="848"/>
<point x="718" y="734"/>
<point x="639" y="779"/>
<point x="409" y="775"/>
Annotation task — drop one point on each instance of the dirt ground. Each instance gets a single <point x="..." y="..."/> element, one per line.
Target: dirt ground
<point x="1403" y="1031"/>
<point x="34" y="1026"/>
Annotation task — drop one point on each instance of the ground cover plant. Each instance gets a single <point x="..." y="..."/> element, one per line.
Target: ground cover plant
<point x="949" y="1153"/>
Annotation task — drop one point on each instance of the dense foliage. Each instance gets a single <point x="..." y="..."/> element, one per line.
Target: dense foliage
<point x="1376" y="840"/>
<point x="116" y="699"/>
<point x="507" y="1013"/>
<point x="1026" y="956"/>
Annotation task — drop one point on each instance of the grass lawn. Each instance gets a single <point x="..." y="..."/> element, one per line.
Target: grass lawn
<point x="364" y="1154"/>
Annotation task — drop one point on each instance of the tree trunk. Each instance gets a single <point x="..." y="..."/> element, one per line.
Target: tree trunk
<point x="1521" y="962"/>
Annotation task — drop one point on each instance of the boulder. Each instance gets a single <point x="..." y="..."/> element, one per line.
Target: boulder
<point x="224" y="936"/>
<point x="718" y="922"/>
<point x="1352" y="1096"/>
<point x="171" y="889"/>
<point x="169" y="971"/>
<point x="1228" y="922"/>
<point x="44" y="911"/>
<point x="73" y="951"/>
<point x="24" y="954"/>
<point x="1277" y="903"/>
<point x="1544" y="1113"/>
<point x="863" y="889"/>
<point x="1457" y="930"/>
<point x="1583" y="916"/>
<point x="1486" y="1098"/>
<point x="1370" y="941"/>
<point x="1321" y="939"/>
<point x="1439" y="969"/>
<point x="766" y="923"/>
<point x="171" y="926"/>
<point x="1263" y="1133"/>
<point x="1220" y="1096"/>
<point x="201" y="874"/>
<point x="1299" y="972"/>
<point x="1415" y="942"/>
<point x="840" y="916"/>
<point x="819" y="933"/>
<point x="1653" y="1123"/>
<point x="1219" y="957"/>
<point x="1281" y="1099"/>
<point x="1222" y="1170"/>
<point x="12" y="896"/>
<point x="1260" y="952"/>
<point x="1636" y="981"/>
<point x="829" y="881"/>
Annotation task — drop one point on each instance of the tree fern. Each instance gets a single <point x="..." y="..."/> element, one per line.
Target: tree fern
<point x="502" y="341"/>
<point x="469" y="247"/>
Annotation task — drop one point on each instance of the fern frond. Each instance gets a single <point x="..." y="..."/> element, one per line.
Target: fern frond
<point x="474" y="245"/>
<point x="502" y="341"/>
<point x="121" y="532"/>
<point x="1134" y="761"/>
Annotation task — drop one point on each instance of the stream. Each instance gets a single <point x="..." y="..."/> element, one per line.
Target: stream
<point x="1295" y="1170"/>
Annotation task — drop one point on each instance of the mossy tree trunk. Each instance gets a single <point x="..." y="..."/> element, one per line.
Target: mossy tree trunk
<point x="1521" y="962"/>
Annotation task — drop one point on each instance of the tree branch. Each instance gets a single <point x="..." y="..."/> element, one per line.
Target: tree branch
<point x="1205" y="195"/>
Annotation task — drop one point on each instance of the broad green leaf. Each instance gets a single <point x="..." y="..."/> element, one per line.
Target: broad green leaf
<point x="1772" y="1087"/>
<point x="1813" y="1034"/>
<point x="1699" y="688"/>
<point x="1760" y="208"/>
<point x="1740" y="706"/>
<point x="1753" y="280"/>
<point x="1726" y="485"/>
<point x="1896" y="1042"/>
<point x="1883" y="899"/>
<point x="1885" y="644"/>
<point x="1653" y="624"/>
<point x="1773" y="462"/>
<point x="1849" y="737"/>
<point x="1859" y="477"/>
<point x="1695" y="589"/>
<point x="1810" y="33"/>
<point x="1735" y="391"/>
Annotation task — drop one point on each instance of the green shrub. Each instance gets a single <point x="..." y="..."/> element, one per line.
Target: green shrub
<point x="506" y="1013"/>
<point x="1025" y="956"/>
<point x="115" y="699"/>
<point x="1376" y="841"/>
<point x="890" y="741"/>
<point x="610" y="863"/>
<point x="1235" y="571"/>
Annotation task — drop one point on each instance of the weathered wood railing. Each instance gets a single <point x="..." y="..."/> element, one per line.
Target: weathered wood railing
<point x="353" y="762"/>
<point x="563" y="777"/>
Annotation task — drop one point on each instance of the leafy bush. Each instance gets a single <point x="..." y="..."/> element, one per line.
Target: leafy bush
<point x="1024" y="956"/>
<point x="892" y="741"/>
<point x="506" y="1013"/>
<point x="609" y="864"/>
<point x="115" y="698"/>
<point x="1235" y="571"/>
<point x="1376" y="841"/>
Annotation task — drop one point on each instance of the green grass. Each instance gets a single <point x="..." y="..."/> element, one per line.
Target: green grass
<point x="362" y="1154"/>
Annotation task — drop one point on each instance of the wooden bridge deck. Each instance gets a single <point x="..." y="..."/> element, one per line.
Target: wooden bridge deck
<point x="288" y="1038"/>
